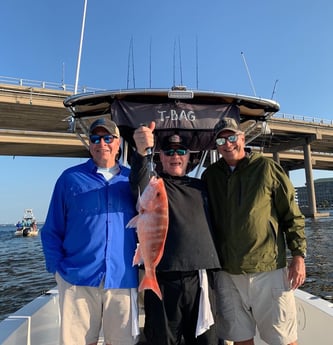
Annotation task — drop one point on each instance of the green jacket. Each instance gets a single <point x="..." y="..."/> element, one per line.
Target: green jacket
<point x="254" y="215"/>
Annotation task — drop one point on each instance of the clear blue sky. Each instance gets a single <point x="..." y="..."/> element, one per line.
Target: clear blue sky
<point x="288" y="41"/>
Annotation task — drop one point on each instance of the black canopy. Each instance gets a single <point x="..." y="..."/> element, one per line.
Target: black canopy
<point x="193" y="114"/>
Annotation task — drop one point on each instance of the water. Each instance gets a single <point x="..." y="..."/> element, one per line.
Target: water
<point x="319" y="261"/>
<point x="23" y="276"/>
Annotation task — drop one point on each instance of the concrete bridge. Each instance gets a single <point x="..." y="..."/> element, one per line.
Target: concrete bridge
<point x="34" y="122"/>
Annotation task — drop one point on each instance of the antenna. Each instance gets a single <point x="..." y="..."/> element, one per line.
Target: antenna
<point x="174" y="63"/>
<point x="130" y="58"/>
<point x="63" y="85"/>
<point x="150" y="45"/>
<point x="248" y="73"/>
<point x="180" y="63"/>
<point x="128" y="63"/>
<point x="274" y="88"/>
<point x="80" y="47"/>
<point x="197" y="62"/>
<point x="133" y="70"/>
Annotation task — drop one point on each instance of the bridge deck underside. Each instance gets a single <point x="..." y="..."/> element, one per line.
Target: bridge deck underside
<point x="34" y="127"/>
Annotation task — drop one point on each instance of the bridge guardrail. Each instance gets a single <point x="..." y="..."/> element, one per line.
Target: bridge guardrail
<point x="46" y="84"/>
<point x="309" y="119"/>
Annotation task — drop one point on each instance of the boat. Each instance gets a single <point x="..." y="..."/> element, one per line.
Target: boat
<point x="27" y="227"/>
<point x="38" y="322"/>
<point x="191" y="113"/>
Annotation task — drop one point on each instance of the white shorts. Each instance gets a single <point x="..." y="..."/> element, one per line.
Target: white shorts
<point x="85" y="309"/>
<point x="263" y="300"/>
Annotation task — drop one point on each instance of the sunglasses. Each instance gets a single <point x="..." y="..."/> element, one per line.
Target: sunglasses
<point x="96" y="139"/>
<point x="231" y="138"/>
<point x="171" y="152"/>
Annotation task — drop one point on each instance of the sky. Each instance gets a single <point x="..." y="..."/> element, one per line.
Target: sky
<point x="272" y="49"/>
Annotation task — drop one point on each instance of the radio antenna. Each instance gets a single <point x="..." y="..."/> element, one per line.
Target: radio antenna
<point x="150" y="44"/>
<point x="249" y="75"/>
<point x="197" y="61"/>
<point x="180" y="63"/>
<point x="130" y="59"/>
<point x="274" y="88"/>
<point x="63" y="85"/>
<point x="174" y="63"/>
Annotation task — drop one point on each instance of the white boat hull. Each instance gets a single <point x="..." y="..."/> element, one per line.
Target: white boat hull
<point x="30" y="233"/>
<point x="38" y="322"/>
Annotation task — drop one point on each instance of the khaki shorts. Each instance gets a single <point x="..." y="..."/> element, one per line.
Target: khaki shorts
<point x="85" y="309"/>
<point x="262" y="300"/>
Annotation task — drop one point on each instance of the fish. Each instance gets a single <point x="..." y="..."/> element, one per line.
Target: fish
<point x="151" y="223"/>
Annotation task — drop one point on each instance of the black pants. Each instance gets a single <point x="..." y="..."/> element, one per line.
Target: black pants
<point x="174" y="319"/>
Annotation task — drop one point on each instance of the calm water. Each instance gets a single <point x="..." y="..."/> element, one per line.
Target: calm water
<point x="23" y="276"/>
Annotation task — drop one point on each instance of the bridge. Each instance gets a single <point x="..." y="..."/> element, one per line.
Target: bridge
<point x="34" y="122"/>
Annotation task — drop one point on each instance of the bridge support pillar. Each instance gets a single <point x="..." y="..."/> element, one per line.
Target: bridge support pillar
<point x="309" y="181"/>
<point x="276" y="157"/>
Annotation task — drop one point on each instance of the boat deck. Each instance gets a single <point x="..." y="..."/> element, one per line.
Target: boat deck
<point x="38" y="322"/>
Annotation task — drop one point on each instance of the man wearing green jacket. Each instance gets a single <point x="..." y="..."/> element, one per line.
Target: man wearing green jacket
<point x="255" y="218"/>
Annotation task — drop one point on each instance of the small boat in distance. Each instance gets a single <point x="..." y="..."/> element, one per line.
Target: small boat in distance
<point x="27" y="227"/>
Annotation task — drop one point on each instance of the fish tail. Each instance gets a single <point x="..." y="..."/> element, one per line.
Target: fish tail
<point x="150" y="283"/>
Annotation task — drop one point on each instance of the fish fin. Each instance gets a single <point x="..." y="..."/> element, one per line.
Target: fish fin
<point x="137" y="259"/>
<point x="133" y="222"/>
<point x="150" y="283"/>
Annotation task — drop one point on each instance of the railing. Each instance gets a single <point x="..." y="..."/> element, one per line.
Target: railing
<point x="303" y="118"/>
<point x="45" y="84"/>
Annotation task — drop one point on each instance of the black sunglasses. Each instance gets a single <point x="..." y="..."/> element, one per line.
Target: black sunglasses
<point x="171" y="152"/>
<point x="96" y="139"/>
<point x="231" y="138"/>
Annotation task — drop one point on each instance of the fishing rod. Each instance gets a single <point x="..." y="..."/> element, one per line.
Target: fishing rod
<point x="249" y="75"/>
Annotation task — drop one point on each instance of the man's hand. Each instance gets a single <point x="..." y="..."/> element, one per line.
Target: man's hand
<point x="297" y="272"/>
<point x="144" y="138"/>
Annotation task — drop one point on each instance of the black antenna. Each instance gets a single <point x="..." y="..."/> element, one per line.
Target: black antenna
<point x="128" y="62"/>
<point x="130" y="59"/>
<point x="150" y="44"/>
<point x="274" y="88"/>
<point x="248" y="73"/>
<point x="197" y="61"/>
<point x="63" y="85"/>
<point x="133" y="71"/>
<point x="174" y="63"/>
<point x="180" y="63"/>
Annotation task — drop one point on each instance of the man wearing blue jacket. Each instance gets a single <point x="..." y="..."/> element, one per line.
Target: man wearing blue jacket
<point x="88" y="248"/>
